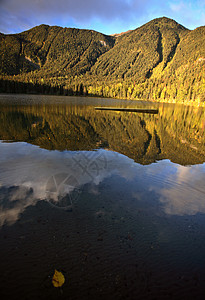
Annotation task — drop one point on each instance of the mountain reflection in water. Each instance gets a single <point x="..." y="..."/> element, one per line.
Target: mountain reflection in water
<point x="113" y="200"/>
<point x="176" y="133"/>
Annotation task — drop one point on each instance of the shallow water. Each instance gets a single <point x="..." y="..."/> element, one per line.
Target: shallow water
<point x="115" y="201"/>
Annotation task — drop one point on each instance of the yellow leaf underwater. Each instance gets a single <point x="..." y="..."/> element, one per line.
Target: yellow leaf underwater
<point x="58" y="279"/>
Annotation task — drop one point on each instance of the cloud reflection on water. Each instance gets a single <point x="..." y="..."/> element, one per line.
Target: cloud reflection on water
<point x="29" y="174"/>
<point x="186" y="193"/>
<point x="40" y="174"/>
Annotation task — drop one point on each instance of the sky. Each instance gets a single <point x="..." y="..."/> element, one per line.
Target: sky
<point x="106" y="16"/>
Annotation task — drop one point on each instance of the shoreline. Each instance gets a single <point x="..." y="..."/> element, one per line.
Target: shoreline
<point x="181" y="102"/>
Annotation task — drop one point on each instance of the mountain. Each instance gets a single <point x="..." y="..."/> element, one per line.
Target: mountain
<point x="157" y="61"/>
<point x="70" y="50"/>
<point x="138" y="52"/>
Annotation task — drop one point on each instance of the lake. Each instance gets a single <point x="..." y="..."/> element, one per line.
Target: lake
<point x="115" y="201"/>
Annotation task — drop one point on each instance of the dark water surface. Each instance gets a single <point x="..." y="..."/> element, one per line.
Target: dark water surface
<point x="113" y="200"/>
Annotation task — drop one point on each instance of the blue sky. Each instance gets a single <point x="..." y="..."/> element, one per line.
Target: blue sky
<point x="106" y="16"/>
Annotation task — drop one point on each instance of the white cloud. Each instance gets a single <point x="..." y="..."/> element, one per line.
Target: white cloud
<point x="178" y="7"/>
<point x="64" y="12"/>
<point x="104" y="16"/>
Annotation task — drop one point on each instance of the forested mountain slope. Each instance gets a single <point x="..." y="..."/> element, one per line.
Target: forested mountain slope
<point x="138" y="52"/>
<point x="161" y="60"/>
<point x="52" y="50"/>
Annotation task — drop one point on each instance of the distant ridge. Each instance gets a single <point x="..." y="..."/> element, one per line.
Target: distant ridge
<point x="119" y="34"/>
